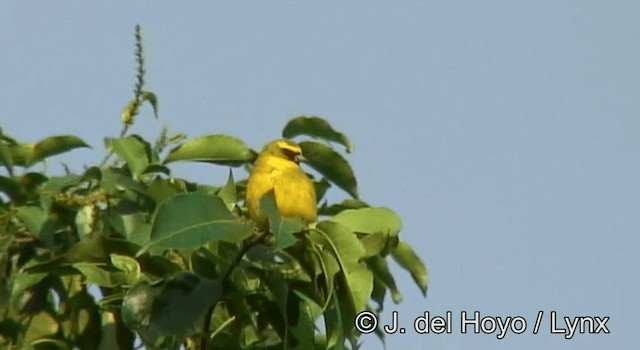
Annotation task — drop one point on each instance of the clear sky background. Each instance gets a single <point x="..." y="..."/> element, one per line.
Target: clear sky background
<point x="505" y="133"/>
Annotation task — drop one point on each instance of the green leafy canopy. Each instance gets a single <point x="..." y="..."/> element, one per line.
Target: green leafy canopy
<point x="179" y="264"/>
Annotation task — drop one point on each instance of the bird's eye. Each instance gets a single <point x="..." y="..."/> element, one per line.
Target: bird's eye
<point x="291" y="155"/>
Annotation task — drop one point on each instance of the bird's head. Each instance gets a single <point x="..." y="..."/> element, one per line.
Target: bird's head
<point x="285" y="149"/>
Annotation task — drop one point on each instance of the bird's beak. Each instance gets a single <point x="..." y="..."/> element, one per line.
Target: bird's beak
<point x="300" y="159"/>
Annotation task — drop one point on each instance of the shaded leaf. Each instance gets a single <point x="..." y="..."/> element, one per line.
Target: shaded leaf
<point x="331" y="165"/>
<point x="404" y="255"/>
<point x="182" y="300"/>
<point x="12" y="189"/>
<point x="334" y="322"/>
<point x="137" y="304"/>
<point x="381" y="272"/>
<point x="321" y="186"/>
<point x="219" y="149"/>
<point x="315" y="127"/>
<point x="157" y="169"/>
<point x="192" y="219"/>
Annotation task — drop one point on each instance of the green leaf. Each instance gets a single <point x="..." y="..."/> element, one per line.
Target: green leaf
<point x="134" y="226"/>
<point x="33" y="218"/>
<point x="161" y="189"/>
<point x="114" y="182"/>
<point x="192" y="219"/>
<point x="93" y="173"/>
<point x="219" y="149"/>
<point x="54" y="145"/>
<point x="157" y="169"/>
<point x="21" y="153"/>
<point x="89" y="249"/>
<point x="334" y="323"/>
<point x="127" y="264"/>
<point x="101" y="274"/>
<point x="404" y="255"/>
<point x="349" y="251"/>
<point x="41" y="325"/>
<point x="378" y="244"/>
<point x="6" y="158"/>
<point x="283" y="228"/>
<point x="331" y="165"/>
<point x="321" y="186"/>
<point x="228" y="192"/>
<point x="60" y="183"/>
<point x="370" y="220"/>
<point x="24" y="280"/>
<point x="12" y="189"/>
<point x="134" y="150"/>
<point x="137" y="304"/>
<point x="381" y="273"/>
<point x="315" y="127"/>
<point x="183" y="300"/>
<point x="302" y="331"/>
<point x="148" y="96"/>
<point x="334" y="209"/>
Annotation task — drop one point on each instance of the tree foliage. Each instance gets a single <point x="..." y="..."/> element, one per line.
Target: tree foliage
<point x="178" y="263"/>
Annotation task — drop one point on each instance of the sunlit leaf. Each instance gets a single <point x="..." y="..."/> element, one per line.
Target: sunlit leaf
<point x="228" y="192"/>
<point x="134" y="150"/>
<point x="315" y="127"/>
<point x="219" y="149"/>
<point x="404" y="255"/>
<point x="41" y="325"/>
<point x="192" y="219"/>
<point x="101" y="274"/>
<point x="370" y="220"/>
<point x="331" y="165"/>
<point x="127" y="264"/>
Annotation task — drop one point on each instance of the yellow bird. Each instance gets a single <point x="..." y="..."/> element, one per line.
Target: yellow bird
<point x="277" y="168"/>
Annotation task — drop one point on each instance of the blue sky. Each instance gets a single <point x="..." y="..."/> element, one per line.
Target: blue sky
<point x="505" y="133"/>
